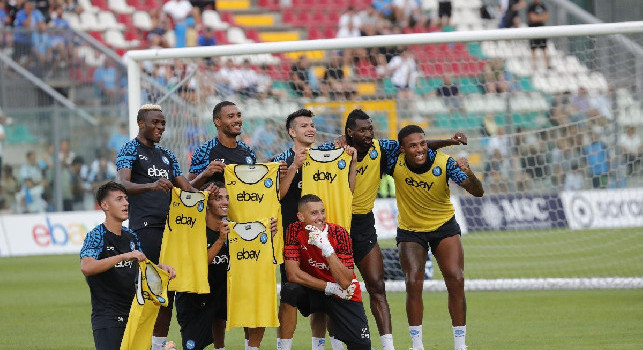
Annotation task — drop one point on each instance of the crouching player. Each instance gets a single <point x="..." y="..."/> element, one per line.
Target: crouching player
<point x="319" y="266"/>
<point x="109" y="261"/>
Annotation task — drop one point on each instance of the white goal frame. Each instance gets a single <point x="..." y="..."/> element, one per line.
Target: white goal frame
<point x="136" y="57"/>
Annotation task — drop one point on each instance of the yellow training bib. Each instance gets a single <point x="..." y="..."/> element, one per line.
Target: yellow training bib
<point x="185" y="243"/>
<point x="254" y="194"/>
<point x="367" y="180"/>
<point x="423" y="200"/>
<point x="252" y="285"/>
<point x="325" y="174"/>
<point x="151" y="294"/>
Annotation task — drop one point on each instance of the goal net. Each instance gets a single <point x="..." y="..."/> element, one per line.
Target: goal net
<point x="554" y="138"/>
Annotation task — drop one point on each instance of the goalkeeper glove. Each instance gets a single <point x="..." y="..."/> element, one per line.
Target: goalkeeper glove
<point x="333" y="288"/>
<point x="320" y="239"/>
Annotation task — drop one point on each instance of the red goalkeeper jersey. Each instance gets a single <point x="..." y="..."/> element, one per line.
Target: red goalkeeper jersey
<point x="310" y="257"/>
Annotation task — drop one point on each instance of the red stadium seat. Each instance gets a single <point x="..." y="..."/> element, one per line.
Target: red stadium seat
<point x="101" y="4"/>
<point x="221" y="37"/>
<point x="125" y="18"/>
<point x="302" y="19"/>
<point x="318" y="18"/>
<point x="288" y="16"/>
<point x="366" y="69"/>
<point x="269" y="4"/>
<point x="314" y="33"/>
<point x="330" y="33"/>
<point x="97" y="35"/>
<point x="253" y="34"/>
<point x="227" y="17"/>
<point x="132" y="34"/>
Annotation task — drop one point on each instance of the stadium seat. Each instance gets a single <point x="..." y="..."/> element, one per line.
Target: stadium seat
<point x="73" y="19"/>
<point x="107" y="21"/>
<point x="314" y="33"/>
<point x="430" y="5"/>
<point x="120" y="6"/>
<point x="115" y="38"/>
<point x="236" y="35"/>
<point x="125" y="19"/>
<point x="101" y="4"/>
<point x="253" y="35"/>
<point x="87" y="6"/>
<point x="88" y="21"/>
<point x="269" y="4"/>
<point x="228" y="18"/>
<point x="211" y="19"/>
<point x="221" y="37"/>
<point x="142" y="20"/>
<point x="287" y="16"/>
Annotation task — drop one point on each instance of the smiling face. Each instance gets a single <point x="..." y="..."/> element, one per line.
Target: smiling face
<point x="362" y="134"/>
<point x="229" y="121"/>
<point x="116" y="205"/>
<point x="152" y="126"/>
<point x="312" y="213"/>
<point x="415" y="149"/>
<point x="218" y="203"/>
<point x="303" y="130"/>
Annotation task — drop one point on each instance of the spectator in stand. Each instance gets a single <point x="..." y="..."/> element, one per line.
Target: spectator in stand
<point x="60" y="39"/>
<point x="597" y="161"/>
<point x="385" y="8"/>
<point x="41" y="49"/>
<point x="350" y="31"/>
<point x="498" y="143"/>
<point x="72" y="6"/>
<point x="511" y="10"/>
<point x="9" y="187"/>
<point x="632" y="150"/>
<point x="264" y="85"/>
<point x="444" y="12"/>
<point x="119" y="138"/>
<point x="66" y="155"/>
<point x="26" y="22"/>
<point x="449" y="92"/>
<point x="300" y="78"/>
<point x="78" y="184"/>
<point x="106" y="83"/>
<point x="496" y="78"/>
<point x="350" y="17"/>
<point x="3" y="135"/>
<point x="334" y="84"/>
<point x="178" y="9"/>
<point x="370" y="21"/>
<point x="229" y="78"/>
<point x="248" y="79"/>
<point x="30" y="198"/>
<point x="408" y="13"/>
<point x="191" y="33"/>
<point x="403" y="70"/>
<point x="30" y="169"/>
<point x="207" y="38"/>
<point x="582" y="107"/>
<point x="537" y="15"/>
<point x="5" y="20"/>
<point x="43" y="6"/>
<point x="203" y="4"/>
<point x="574" y="178"/>
<point x="104" y="172"/>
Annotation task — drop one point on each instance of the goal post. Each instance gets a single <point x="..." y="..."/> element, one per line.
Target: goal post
<point x="553" y="145"/>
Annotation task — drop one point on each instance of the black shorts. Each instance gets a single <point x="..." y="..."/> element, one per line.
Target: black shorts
<point x="348" y="318"/>
<point x="151" y="239"/>
<point x="444" y="9"/>
<point x="430" y="239"/>
<point x="284" y="275"/>
<point x="108" y="338"/>
<point x="538" y="44"/>
<point x="195" y="314"/>
<point x="363" y="235"/>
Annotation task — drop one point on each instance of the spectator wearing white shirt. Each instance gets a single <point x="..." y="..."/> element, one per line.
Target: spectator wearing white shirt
<point x="249" y="80"/>
<point x="408" y="13"/>
<point x="630" y="144"/>
<point x="229" y="76"/>
<point x="178" y="9"/>
<point x="574" y="179"/>
<point x="350" y="31"/>
<point x="350" y="16"/>
<point x="31" y="169"/>
<point x="403" y="70"/>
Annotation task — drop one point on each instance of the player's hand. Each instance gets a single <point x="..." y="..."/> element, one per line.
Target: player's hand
<point x="215" y="166"/>
<point x="340" y="141"/>
<point x="169" y="269"/>
<point x="300" y="157"/>
<point x="463" y="164"/>
<point x="333" y="288"/>
<point x="135" y="255"/>
<point x="460" y="138"/>
<point x="273" y="226"/>
<point x="169" y="345"/>
<point x="162" y="184"/>
<point x="224" y="230"/>
<point x="319" y="239"/>
<point x="212" y="189"/>
<point x="351" y="151"/>
<point x="283" y="169"/>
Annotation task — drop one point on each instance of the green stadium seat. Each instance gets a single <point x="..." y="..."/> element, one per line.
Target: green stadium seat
<point x="388" y="87"/>
<point x="475" y="50"/>
<point x="19" y="134"/>
<point x="525" y="84"/>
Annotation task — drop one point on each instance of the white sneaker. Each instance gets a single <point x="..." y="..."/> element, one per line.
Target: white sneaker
<point x="464" y="348"/>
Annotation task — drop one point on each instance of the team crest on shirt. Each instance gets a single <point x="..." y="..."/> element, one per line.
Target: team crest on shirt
<point x="437" y="171"/>
<point x="373" y="154"/>
<point x="248" y="160"/>
<point x="268" y="183"/>
<point x="200" y="206"/>
<point x="190" y="344"/>
<point x="263" y="238"/>
<point x="341" y="164"/>
<point x="165" y="160"/>
<point x="132" y="245"/>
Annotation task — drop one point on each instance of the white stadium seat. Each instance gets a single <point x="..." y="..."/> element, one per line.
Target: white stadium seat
<point x="108" y="21"/>
<point x="120" y="6"/>
<point x="211" y="19"/>
<point x="142" y="20"/>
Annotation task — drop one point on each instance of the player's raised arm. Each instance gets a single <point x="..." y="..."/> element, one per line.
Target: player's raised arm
<point x="472" y="184"/>
<point x="286" y="181"/>
<point x="457" y="139"/>
<point x="198" y="180"/>
<point x="124" y="177"/>
<point x="90" y="266"/>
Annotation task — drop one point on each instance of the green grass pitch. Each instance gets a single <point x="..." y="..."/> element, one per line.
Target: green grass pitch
<point x="45" y="304"/>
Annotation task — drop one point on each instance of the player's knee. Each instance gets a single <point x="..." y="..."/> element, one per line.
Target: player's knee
<point x="414" y="282"/>
<point x="290" y="292"/>
<point x="454" y="278"/>
<point x="376" y="289"/>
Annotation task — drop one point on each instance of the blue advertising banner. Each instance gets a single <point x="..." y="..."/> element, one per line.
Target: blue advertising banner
<point x="512" y="212"/>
